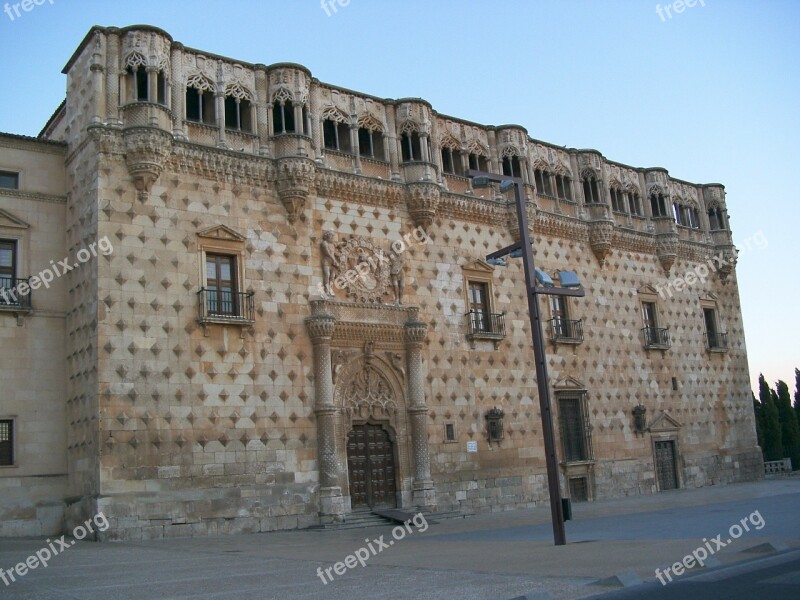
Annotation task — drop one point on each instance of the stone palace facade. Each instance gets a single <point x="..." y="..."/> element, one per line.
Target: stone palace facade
<point x="235" y="298"/>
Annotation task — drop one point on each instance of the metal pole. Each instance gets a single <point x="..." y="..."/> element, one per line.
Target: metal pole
<point x="545" y="406"/>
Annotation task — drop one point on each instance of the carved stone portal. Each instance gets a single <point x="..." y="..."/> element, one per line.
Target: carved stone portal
<point x="368" y="371"/>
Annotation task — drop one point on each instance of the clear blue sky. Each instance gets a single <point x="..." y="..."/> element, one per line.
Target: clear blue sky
<point x="711" y="93"/>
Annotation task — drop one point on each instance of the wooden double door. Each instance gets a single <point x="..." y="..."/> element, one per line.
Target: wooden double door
<point x="371" y="467"/>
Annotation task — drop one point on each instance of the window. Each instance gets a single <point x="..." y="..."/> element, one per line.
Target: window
<point x="654" y="336"/>
<point x="221" y="285"/>
<point x="716" y="220"/>
<point x="452" y="161"/>
<point x="9" y="180"/>
<point x="200" y="105"/>
<point x="576" y="440"/>
<point x="563" y="187"/>
<point x="6" y="443"/>
<point x="635" y="204"/>
<point x="479" y="306"/>
<point x="139" y="85"/>
<point x="370" y="143"/>
<point x="494" y="424"/>
<point x="542" y="179"/>
<point x="449" y="432"/>
<point x="336" y="135"/>
<point x="283" y="118"/>
<point x="658" y="204"/>
<point x="8" y="274"/>
<point x="715" y="340"/>
<point x="618" y="200"/>
<point x="591" y="190"/>
<point x="477" y="162"/>
<point x="411" y="146"/>
<point x="481" y="321"/>
<point x="238" y="114"/>
<point x="511" y="167"/>
<point x="564" y="329"/>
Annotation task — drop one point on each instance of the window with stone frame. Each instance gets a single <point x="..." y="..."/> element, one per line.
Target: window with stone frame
<point x="222" y="295"/>
<point x="634" y="201"/>
<point x="9" y="180"/>
<point x="411" y="146"/>
<point x="591" y="189"/>
<point x="477" y="162"/>
<point x="563" y="187"/>
<point x="370" y="143"/>
<point x="618" y="200"/>
<point x="542" y="179"/>
<point x="7" y="443"/>
<point x="511" y="166"/>
<point x="482" y="321"/>
<point x="716" y="219"/>
<point x="452" y="158"/>
<point x="200" y="102"/>
<point x="574" y="427"/>
<point x="658" y="203"/>
<point x="336" y="132"/>
<point x="139" y="82"/>
<point x="238" y="108"/>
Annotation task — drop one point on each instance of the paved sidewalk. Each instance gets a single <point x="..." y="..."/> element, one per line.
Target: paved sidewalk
<point x="496" y="556"/>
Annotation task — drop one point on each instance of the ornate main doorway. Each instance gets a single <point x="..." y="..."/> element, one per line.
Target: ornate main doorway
<point x="370" y="463"/>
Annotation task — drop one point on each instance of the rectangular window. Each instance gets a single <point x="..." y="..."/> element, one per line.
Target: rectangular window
<point x="6" y="443"/>
<point x="411" y="147"/>
<point x="8" y="267"/>
<point x="9" y="180"/>
<point x="449" y="432"/>
<point x="477" y="162"/>
<point x="221" y="285"/>
<point x="575" y="432"/>
<point x="479" y="306"/>
<point x="370" y="143"/>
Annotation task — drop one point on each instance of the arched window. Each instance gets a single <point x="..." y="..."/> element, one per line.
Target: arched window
<point x="511" y="167"/>
<point x="335" y="130"/>
<point x="238" y="108"/>
<point x="716" y="218"/>
<point x="542" y="179"/>
<point x="282" y="113"/>
<point x="138" y="81"/>
<point x="658" y="203"/>
<point x="634" y="202"/>
<point x="563" y="187"/>
<point x="411" y="146"/>
<point x="591" y="189"/>
<point x="370" y="138"/>
<point x="618" y="200"/>
<point x="200" y="105"/>
<point x="452" y="157"/>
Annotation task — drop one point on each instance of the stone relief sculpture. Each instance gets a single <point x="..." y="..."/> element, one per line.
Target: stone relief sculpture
<point x="360" y="270"/>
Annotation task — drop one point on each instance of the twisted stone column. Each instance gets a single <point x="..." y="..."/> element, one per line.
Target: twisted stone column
<point x="423" y="491"/>
<point x="320" y="326"/>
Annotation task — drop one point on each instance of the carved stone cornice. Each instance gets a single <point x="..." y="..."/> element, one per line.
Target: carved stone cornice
<point x="219" y="164"/>
<point x="146" y="152"/>
<point x="422" y="200"/>
<point x="561" y="226"/>
<point x="471" y="209"/>
<point x="634" y="241"/>
<point x="357" y="188"/>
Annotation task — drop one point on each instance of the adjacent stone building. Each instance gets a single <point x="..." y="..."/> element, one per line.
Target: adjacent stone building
<point x="278" y="310"/>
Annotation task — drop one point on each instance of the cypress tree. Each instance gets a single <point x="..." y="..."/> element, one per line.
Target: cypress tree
<point x="773" y="445"/>
<point x="797" y="393"/>
<point x="759" y="415"/>
<point x="790" y="430"/>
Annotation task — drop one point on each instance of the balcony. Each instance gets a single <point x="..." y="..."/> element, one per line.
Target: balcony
<point x="225" y="308"/>
<point x="716" y="342"/>
<point x="566" y="331"/>
<point x="485" y="326"/>
<point x="656" y="338"/>
<point x="12" y="298"/>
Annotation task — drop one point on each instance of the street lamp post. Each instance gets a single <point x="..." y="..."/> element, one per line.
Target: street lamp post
<point x="481" y="179"/>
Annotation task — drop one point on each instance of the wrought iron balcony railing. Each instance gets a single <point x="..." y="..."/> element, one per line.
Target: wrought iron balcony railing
<point x="485" y="325"/>
<point x="656" y="338"/>
<point x="568" y="331"/>
<point x="716" y="341"/>
<point x="11" y="297"/>
<point x="225" y="306"/>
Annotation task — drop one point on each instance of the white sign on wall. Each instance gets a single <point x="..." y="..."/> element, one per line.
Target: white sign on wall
<point x="472" y="446"/>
